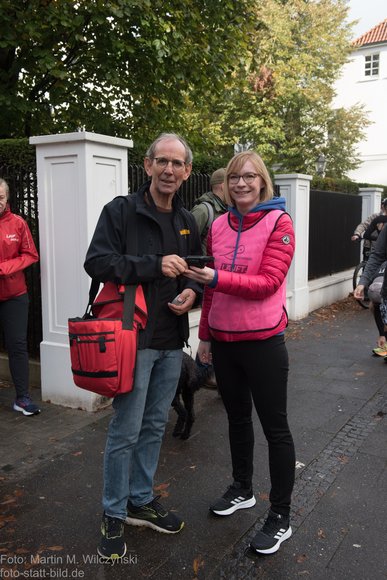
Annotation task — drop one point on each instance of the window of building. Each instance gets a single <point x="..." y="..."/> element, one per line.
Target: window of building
<point x="372" y="65"/>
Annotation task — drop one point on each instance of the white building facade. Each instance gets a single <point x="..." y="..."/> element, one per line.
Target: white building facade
<point x="363" y="80"/>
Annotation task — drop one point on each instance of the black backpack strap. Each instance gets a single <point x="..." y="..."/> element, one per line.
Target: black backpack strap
<point x="130" y="289"/>
<point x="210" y="219"/>
<point x="131" y="244"/>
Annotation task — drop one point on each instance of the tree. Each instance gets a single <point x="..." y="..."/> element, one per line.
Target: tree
<point x="218" y="71"/>
<point x="280" y="97"/>
<point x="120" y="67"/>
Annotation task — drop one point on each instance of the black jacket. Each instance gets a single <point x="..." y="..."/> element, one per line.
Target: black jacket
<point x="107" y="258"/>
<point x="375" y="260"/>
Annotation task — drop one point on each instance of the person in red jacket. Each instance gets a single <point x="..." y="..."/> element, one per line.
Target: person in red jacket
<point x="17" y="252"/>
<point x="242" y="331"/>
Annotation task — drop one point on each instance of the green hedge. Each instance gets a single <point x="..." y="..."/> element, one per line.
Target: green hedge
<point x="17" y="152"/>
<point x="342" y="185"/>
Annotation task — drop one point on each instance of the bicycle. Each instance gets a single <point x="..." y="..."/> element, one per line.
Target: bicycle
<point x="364" y="302"/>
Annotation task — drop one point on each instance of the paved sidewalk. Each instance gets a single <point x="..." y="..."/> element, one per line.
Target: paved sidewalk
<point x="50" y="477"/>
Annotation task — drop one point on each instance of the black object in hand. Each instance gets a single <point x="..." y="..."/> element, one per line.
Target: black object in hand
<point x="198" y="261"/>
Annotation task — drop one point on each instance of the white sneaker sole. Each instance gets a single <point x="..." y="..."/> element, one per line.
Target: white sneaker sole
<point x="26" y="413"/>
<point x="276" y="546"/>
<point x="238" y="506"/>
<point x="137" y="522"/>
<point x="112" y="557"/>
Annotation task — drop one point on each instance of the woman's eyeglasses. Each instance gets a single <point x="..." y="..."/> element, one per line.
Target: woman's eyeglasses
<point x="248" y="178"/>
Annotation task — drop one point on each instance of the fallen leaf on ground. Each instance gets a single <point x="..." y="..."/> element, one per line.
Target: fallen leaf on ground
<point x="197" y="564"/>
<point x="162" y="489"/>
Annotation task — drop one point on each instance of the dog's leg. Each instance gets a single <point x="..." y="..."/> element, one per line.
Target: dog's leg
<point x="181" y="416"/>
<point x="188" y="398"/>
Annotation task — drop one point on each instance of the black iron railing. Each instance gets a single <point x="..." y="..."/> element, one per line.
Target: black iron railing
<point x="332" y="218"/>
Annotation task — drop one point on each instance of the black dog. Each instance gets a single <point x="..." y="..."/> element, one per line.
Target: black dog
<point x="193" y="375"/>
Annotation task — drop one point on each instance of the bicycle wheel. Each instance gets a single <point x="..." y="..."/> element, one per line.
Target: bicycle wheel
<point x="365" y="303"/>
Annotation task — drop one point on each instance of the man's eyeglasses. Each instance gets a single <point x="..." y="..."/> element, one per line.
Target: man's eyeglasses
<point x="162" y="162"/>
<point x="248" y="178"/>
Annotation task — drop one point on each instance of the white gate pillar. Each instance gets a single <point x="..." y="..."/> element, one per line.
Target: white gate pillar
<point x="371" y="199"/>
<point x="78" y="173"/>
<point x="296" y="190"/>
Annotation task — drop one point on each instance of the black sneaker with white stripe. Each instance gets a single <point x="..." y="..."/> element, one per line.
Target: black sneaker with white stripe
<point x="235" y="498"/>
<point x="274" y="531"/>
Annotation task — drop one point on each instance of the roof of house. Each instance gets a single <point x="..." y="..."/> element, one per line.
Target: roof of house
<point x="376" y="35"/>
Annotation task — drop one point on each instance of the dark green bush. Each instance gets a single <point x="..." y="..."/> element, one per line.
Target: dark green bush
<point x="17" y="152"/>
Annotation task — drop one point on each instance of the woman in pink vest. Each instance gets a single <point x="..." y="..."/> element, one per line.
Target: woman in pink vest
<point x="242" y="332"/>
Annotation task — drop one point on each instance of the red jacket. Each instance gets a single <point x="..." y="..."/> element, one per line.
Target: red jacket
<point x="17" y="252"/>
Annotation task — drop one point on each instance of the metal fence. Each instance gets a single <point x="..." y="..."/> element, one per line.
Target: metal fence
<point x="332" y="218"/>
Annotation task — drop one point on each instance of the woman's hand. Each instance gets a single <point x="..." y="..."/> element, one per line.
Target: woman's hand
<point x="204" y="352"/>
<point x="202" y="275"/>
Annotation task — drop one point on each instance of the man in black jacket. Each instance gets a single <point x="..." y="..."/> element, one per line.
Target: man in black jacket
<point x="166" y="232"/>
<point x="375" y="260"/>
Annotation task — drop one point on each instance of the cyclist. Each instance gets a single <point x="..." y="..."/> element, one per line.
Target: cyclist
<point x="375" y="260"/>
<point x="374" y="294"/>
<point x="371" y="227"/>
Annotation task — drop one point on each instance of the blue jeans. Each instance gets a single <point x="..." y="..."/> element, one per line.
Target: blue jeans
<point x="136" y="431"/>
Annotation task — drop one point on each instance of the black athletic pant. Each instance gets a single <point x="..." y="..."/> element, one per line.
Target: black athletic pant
<point x="13" y="322"/>
<point x="257" y="371"/>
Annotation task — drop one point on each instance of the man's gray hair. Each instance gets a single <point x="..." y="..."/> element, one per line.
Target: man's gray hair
<point x="167" y="136"/>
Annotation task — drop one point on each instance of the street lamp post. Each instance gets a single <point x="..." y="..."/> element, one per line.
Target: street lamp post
<point x="321" y="164"/>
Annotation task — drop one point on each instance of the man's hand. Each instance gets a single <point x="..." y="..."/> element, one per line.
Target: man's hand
<point x="359" y="292"/>
<point x="186" y="300"/>
<point x="173" y="265"/>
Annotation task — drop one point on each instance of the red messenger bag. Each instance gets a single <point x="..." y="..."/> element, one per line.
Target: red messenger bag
<point x="103" y="342"/>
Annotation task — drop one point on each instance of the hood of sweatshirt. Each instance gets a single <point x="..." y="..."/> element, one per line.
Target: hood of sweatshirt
<point x="275" y="203"/>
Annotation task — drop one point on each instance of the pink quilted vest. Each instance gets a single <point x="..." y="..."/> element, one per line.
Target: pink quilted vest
<point x="233" y="318"/>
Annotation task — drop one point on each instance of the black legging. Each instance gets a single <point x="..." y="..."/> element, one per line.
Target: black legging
<point x="257" y="371"/>
<point x="13" y="323"/>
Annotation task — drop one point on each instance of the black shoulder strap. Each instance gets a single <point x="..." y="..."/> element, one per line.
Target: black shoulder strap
<point x="131" y="245"/>
<point x="130" y="289"/>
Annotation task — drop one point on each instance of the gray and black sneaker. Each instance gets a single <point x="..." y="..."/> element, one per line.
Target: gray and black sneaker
<point x="235" y="498"/>
<point x="153" y="515"/>
<point x="112" y="545"/>
<point x="274" y="531"/>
